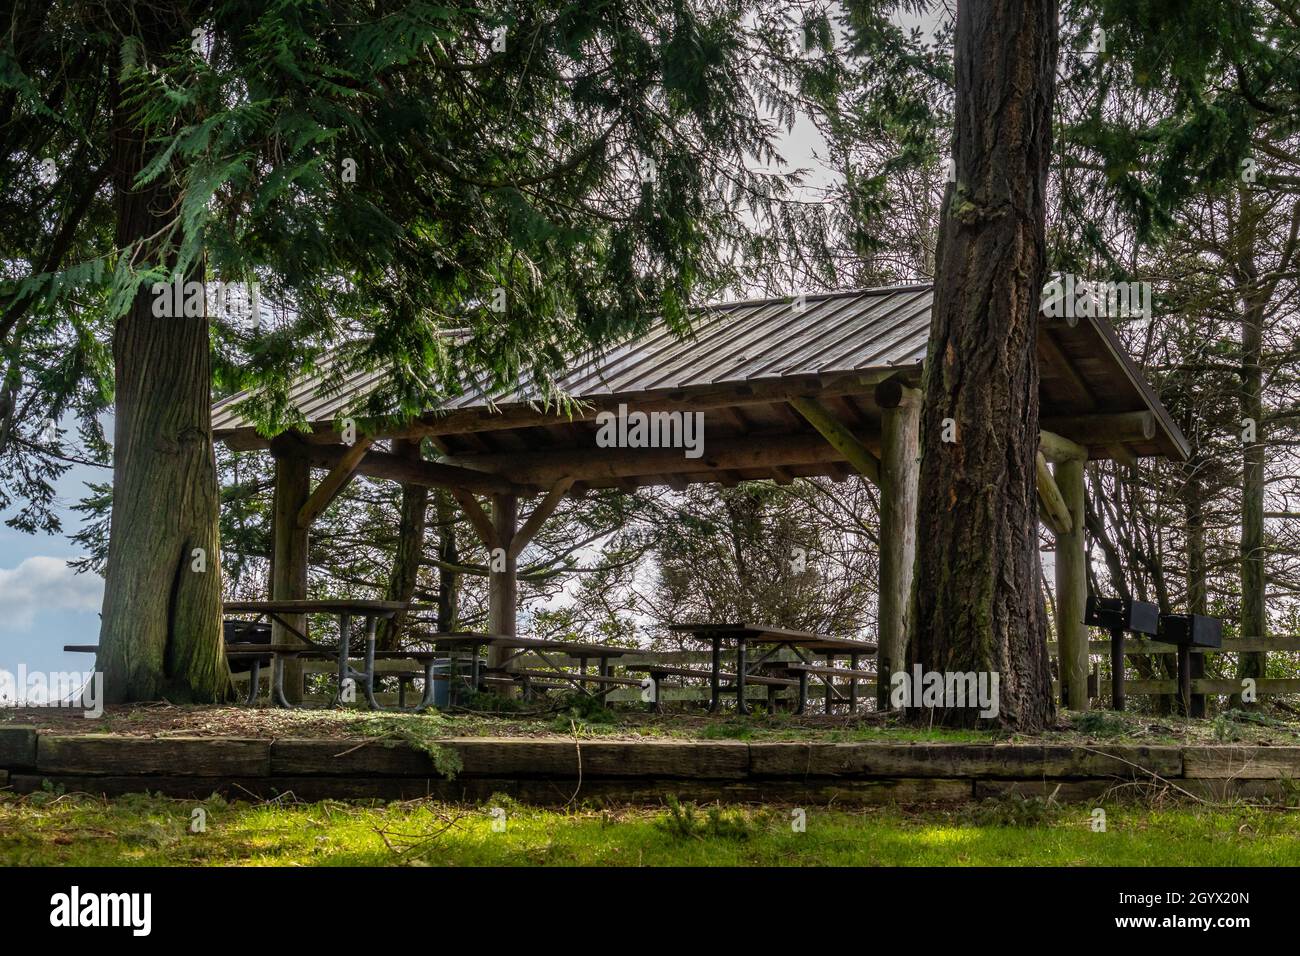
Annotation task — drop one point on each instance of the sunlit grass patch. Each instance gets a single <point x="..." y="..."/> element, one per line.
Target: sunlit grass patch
<point x="54" y="829"/>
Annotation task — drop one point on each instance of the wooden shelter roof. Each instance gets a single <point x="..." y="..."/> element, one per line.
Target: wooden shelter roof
<point x="742" y="366"/>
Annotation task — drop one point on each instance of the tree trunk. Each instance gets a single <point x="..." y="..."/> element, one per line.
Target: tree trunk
<point x="410" y="548"/>
<point x="1254" y="612"/>
<point x="1197" y="581"/>
<point x="160" y="635"/>
<point x="977" y="602"/>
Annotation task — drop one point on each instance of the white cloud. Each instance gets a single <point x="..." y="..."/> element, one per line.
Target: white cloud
<point x="45" y="584"/>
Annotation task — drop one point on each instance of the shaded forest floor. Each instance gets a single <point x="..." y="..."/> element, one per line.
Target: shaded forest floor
<point x="585" y="717"/>
<point x="53" y="829"/>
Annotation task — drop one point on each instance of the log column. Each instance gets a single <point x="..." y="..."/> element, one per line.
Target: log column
<point x="503" y="585"/>
<point x="289" y="550"/>
<point x="1072" y="587"/>
<point x="900" y="456"/>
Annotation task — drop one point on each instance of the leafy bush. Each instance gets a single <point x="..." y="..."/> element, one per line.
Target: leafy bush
<point x="581" y="712"/>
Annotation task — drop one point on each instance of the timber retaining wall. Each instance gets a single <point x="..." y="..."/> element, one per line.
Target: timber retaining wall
<point x="551" y="771"/>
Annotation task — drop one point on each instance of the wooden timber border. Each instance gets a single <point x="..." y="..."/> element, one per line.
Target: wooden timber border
<point x="561" y="771"/>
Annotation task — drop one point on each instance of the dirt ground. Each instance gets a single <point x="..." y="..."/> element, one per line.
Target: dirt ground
<point x="1272" y="726"/>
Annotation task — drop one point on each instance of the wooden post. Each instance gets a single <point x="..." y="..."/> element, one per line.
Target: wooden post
<point x="1184" y="702"/>
<point x="502" y="582"/>
<point x="289" y="550"/>
<point x="1072" y="587"/>
<point x="900" y="453"/>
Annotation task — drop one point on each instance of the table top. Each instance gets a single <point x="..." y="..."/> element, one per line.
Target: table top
<point x="328" y="606"/>
<point x="845" y="645"/>
<point x="288" y="650"/>
<point x="763" y="633"/>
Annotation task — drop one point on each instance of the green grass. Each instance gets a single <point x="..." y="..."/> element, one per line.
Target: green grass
<point x="50" y="829"/>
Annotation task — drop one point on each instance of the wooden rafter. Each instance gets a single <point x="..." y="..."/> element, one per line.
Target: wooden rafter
<point x="1104" y="429"/>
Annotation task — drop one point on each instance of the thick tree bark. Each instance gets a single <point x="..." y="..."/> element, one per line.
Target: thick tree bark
<point x="160" y="635"/>
<point x="977" y="605"/>
<point x="410" y="547"/>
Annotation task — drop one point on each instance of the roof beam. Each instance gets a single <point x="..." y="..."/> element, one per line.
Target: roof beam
<point x="478" y="518"/>
<point x="693" y="399"/>
<point x="1050" y="351"/>
<point x="428" y="473"/>
<point x="1053" y="502"/>
<point x="545" y="508"/>
<point x="839" y="436"/>
<point x="587" y="464"/>
<point x="1117" y="428"/>
<point x="481" y="418"/>
<point x="334" y="482"/>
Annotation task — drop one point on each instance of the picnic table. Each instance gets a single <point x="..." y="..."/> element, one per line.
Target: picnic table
<point x="743" y="635"/>
<point x="472" y="642"/>
<point x="372" y="612"/>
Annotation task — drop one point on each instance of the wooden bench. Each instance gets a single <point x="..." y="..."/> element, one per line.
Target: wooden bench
<point x="528" y="680"/>
<point x="511" y="682"/>
<point x="659" y="671"/>
<point x="803" y="671"/>
<point x="255" y="656"/>
<point x="514" y="647"/>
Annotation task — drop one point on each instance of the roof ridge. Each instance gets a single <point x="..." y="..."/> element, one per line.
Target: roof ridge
<point x="817" y="296"/>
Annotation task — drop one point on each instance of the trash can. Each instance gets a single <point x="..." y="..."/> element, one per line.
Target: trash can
<point x="442" y="683"/>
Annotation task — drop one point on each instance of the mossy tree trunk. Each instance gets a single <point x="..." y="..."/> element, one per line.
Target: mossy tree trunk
<point x="977" y="605"/>
<point x="160" y="634"/>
